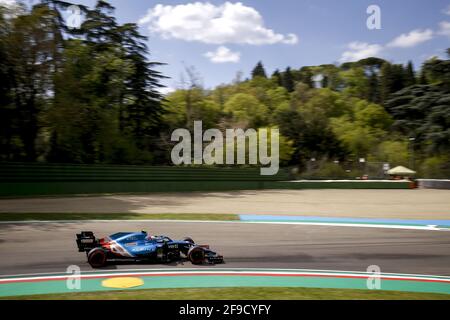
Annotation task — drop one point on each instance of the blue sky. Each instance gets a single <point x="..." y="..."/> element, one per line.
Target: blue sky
<point x="324" y="30"/>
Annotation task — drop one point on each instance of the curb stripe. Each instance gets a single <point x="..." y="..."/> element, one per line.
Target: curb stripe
<point x="230" y="273"/>
<point x="226" y="278"/>
<point x="254" y="270"/>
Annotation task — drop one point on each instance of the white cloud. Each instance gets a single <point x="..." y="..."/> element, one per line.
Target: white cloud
<point x="447" y="10"/>
<point x="411" y="39"/>
<point x="223" y="55"/>
<point x="208" y="23"/>
<point x="444" y="28"/>
<point x="7" y="2"/>
<point x="360" y="50"/>
<point x="166" y="90"/>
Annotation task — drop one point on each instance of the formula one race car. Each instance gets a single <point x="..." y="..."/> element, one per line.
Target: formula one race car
<point x="139" y="246"/>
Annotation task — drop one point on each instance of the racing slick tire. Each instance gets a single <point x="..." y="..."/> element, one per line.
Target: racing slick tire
<point x="196" y="255"/>
<point x="187" y="239"/>
<point x="97" y="258"/>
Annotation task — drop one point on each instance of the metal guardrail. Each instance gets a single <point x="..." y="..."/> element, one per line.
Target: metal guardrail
<point x="434" y="184"/>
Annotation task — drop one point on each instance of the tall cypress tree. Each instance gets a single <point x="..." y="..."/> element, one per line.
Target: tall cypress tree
<point x="410" y="75"/>
<point x="374" y="88"/>
<point x="144" y="113"/>
<point x="259" y="71"/>
<point x="392" y="79"/>
<point x="288" y="80"/>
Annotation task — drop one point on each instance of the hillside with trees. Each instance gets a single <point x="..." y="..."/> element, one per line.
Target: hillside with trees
<point x="332" y="116"/>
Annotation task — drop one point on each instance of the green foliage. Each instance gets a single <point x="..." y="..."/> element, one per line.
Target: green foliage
<point x="422" y="112"/>
<point x="85" y="121"/>
<point x="395" y="153"/>
<point x="358" y="140"/>
<point x="88" y="98"/>
<point x="325" y="103"/>
<point x="356" y="83"/>
<point x="288" y="80"/>
<point x="31" y="44"/>
<point x="329" y="170"/>
<point x="392" y="79"/>
<point x="410" y="76"/>
<point x="436" y="167"/>
<point x="245" y="109"/>
<point x="437" y="71"/>
<point x="194" y="101"/>
<point x="371" y="115"/>
<point x="277" y="78"/>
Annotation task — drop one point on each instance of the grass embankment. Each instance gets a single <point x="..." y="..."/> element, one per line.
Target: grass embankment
<point x="114" y="216"/>
<point x="241" y="294"/>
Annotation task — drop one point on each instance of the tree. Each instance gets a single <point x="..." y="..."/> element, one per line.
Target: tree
<point x="288" y="80"/>
<point x="422" y="112"/>
<point x="361" y="127"/>
<point x="436" y="167"/>
<point x="396" y="153"/>
<point x="392" y="79"/>
<point x="306" y="122"/>
<point x="34" y="42"/>
<point x="277" y="78"/>
<point x="141" y="108"/>
<point x="438" y="72"/>
<point x="358" y="140"/>
<point x="371" y="115"/>
<point x="106" y="77"/>
<point x="202" y="108"/>
<point x="246" y="110"/>
<point x="410" y="75"/>
<point x="374" y="88"/>
<point x="85" y="114"/>
<point x="356" y="83"/>
<point x="305" y="75"/>
<point x="259" y="71"/>
<point x="8" y="111"/>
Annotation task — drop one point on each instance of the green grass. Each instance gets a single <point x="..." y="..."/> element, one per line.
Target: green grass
<point x="115" y="216"/>
<point x="241" y="294"/>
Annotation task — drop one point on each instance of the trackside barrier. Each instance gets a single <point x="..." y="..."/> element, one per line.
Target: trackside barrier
<point x="434" y="184"/>
<point x="24" y="179"/>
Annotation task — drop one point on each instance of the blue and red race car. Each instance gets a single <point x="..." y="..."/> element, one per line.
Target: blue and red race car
<point x="139" y="246"/>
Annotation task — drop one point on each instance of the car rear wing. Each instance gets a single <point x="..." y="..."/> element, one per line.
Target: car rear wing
<point x="86" y="241"/>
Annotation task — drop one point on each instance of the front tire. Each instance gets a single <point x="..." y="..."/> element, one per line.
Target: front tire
<point x="97" y="258"/>
<point x="196" y="255"/>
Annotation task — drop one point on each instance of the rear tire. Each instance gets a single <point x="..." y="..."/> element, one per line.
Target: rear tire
<point x="196" y="255"/>
<point x="97" y="258"/>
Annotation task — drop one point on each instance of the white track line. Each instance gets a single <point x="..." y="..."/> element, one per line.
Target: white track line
<point x="342" y="274"/>
<point x="329" y="224"/>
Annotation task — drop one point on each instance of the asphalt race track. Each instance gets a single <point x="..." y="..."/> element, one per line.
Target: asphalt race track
<point x="50" y="247"/>
<point x="401" y="204"/>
